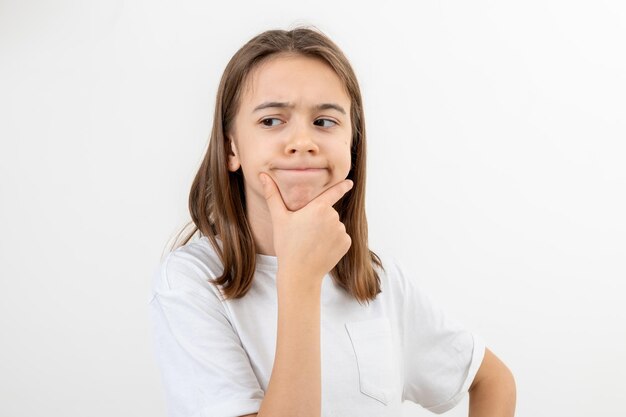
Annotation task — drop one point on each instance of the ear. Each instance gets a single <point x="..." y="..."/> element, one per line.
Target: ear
<point x="233" y="155"/>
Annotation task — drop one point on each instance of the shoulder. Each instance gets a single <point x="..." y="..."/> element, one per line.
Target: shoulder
<point x="402" y="287"/>
<point x="189" y="268"/>
<point x="393" y="275"/>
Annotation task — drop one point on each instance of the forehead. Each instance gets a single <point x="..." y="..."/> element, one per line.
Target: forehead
<point x="294" y="78"/>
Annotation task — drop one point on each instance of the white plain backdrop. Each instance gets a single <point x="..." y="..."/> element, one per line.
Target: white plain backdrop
<point x="496" y="137"/>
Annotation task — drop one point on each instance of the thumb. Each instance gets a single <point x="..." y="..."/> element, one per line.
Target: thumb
<point x="272" y="197"/>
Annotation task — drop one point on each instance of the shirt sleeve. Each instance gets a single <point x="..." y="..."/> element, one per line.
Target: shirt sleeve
<point x="440" y="357"/>
<point x="205" y="370"/>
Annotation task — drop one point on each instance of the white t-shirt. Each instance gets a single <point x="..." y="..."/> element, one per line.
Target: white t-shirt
<point x="216" y="356"/>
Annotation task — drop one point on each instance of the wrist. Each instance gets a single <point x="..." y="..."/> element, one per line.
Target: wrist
<point x="300" y="284"/>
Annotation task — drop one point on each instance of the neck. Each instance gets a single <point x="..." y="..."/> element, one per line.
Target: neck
<point x="260" y="222"/>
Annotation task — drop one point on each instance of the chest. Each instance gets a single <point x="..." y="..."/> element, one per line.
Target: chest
<point x="360" y="351"/>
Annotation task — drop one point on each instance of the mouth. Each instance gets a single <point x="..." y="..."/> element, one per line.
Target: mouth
<point x="302" y="171"/>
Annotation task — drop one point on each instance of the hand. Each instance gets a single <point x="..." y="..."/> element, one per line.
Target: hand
<point x="311" y="240"/>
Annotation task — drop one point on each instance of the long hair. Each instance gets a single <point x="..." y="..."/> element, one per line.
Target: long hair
<point x="217" y="201"/>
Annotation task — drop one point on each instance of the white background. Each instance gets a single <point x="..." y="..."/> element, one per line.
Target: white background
<point x="496" y="173"/>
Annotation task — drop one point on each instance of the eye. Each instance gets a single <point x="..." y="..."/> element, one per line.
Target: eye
<point x="268" y="118"/>
<point x="328" y="120"/>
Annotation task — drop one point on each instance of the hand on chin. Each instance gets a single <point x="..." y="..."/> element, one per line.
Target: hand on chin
<point x="298" y="196"/>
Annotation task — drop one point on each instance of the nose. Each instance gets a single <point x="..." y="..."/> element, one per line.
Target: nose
<point x="301" y="141"/>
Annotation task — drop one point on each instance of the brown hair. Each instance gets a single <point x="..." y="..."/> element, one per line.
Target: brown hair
<point x="217" y="199"/>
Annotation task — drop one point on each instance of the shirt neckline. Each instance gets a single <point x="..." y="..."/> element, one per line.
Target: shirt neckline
<point x="265" y="262"/>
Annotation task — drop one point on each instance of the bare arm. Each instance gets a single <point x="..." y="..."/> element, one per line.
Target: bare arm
<point x="294" y="389"/>
<point x="308" y="243"/>
<point x="492" y="393"/>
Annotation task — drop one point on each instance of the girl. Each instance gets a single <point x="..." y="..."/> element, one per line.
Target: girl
<point x="279" y="308"/>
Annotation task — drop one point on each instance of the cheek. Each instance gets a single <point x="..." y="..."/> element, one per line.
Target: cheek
<point x="248" y="154"/>
<point x="343" y="163"/>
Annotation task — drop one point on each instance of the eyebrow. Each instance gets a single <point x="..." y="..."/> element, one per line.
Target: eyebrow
<point x="279" y="104"/>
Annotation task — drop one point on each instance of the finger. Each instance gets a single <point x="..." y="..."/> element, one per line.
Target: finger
<point x="333" y="194"/>
<point x="272" y="197"/>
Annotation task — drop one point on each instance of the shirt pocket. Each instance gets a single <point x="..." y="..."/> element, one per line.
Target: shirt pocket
<point x="373" y="350"/>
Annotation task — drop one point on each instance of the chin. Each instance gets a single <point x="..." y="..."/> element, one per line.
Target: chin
<point x="298" y="199"/>
<point x="295" y="207"/>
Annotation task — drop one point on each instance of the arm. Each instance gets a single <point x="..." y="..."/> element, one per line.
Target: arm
<point x="492" y="393"/>
<point x="310" y="241"/>
<point x="294" y="388"/>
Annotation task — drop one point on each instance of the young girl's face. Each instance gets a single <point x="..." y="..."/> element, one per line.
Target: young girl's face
<point x="295" y="114"/>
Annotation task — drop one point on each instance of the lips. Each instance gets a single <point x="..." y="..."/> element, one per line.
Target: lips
<point x="300" y="168"/>
<point x="302" y="171"/>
